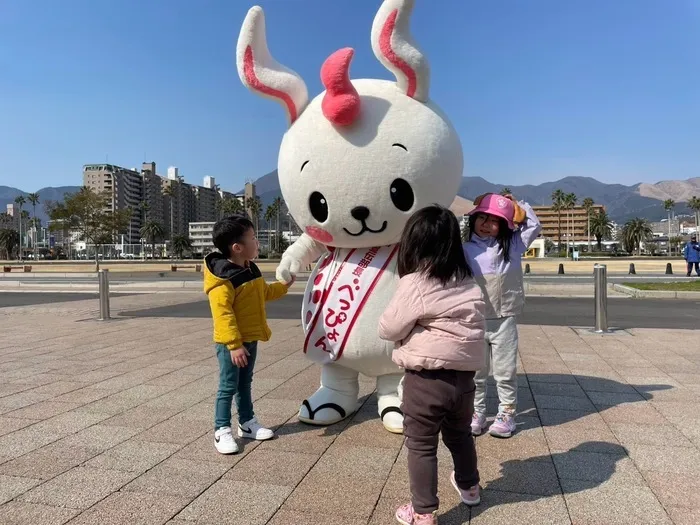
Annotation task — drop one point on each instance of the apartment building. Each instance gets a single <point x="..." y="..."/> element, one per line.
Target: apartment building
<point x="124" y="189"/>
<point x="168" y="200"/>
<point x="201" y="236"/>
<point x="574" y="223"/>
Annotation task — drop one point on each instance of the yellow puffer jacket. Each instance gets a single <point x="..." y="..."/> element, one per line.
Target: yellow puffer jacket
<point x="237" y="297"/>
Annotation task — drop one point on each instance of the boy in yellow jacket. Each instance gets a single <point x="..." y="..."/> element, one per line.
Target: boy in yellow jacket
<point x="237" y="294"/>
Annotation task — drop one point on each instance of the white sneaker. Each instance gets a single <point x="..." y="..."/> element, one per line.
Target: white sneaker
<point x="253" y="430"/>
<point x="224" y="442"/>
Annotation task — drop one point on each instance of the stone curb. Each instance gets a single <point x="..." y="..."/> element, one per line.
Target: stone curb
<point x="655" y="294"/>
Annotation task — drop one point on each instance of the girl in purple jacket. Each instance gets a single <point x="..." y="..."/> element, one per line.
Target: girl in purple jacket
<point x="500" y="232"/>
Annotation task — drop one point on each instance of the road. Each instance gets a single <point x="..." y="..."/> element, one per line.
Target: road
<point x="115" y="278"/>
<point x="622" y="312"/>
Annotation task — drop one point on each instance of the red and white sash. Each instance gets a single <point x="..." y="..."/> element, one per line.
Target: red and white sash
<point x="335" y="298"/>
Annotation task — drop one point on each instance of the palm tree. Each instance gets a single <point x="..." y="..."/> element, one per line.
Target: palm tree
<point x="180" y="244"/>
<point x="269" y="216"/>
<point x="152" y="231"/>
<point x="278" y="203"/>
<point x="506" y="191"/>
<point x="33" y="198"/>
<point x="601" y="227"/>
<point x="569" y="205"/>
<point x="255" y="207"/>
<point x="20" y="201"/>
<point x="694" y="204"/>
<point x="558" y="206"/>
<point x="668" y="206"/>
<point x="169" y="191"/>
<point x="588" y="205"/>
<point x="634" y="233"/>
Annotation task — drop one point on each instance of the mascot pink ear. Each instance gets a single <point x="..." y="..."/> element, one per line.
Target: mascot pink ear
<point x="262" y="74"/>
<point x="341" y="103"/>
<point x="393" y="46"/>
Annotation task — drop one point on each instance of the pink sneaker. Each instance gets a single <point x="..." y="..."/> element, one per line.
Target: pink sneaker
<point x="503" y="426"/>
<point x="471" y="497"/>
<point x="407" y="516"/>
<point x="478" y="423"/>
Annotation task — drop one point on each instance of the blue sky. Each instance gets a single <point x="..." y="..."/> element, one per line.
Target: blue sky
<point x="538" y="89"/>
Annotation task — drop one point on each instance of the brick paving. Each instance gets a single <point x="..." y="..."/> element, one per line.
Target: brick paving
<point x="111" y="423"/>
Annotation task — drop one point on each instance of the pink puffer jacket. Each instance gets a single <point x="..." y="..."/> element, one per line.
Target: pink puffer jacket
<point x="435" y="326"/>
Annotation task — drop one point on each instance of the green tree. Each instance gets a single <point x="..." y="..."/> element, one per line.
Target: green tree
<point x="230" y="206"/>
<point x="181" y="244"/>
<point x="255" y="208"/>
<point x="669" y="204"/>
<point x="675" y="242"/>
<point x="694" y="204"/>
<point x="569" y="205"/>
<point x="634" y="233"/>
<point x="558" y="206"/>
<point x="9" y="240"/>
<point x="588" y="205"/>
<point x="152" y="231"/>
<point x="86" y="213"/>
<point x="169" y="191"/>
<point x="282" y="243"/>
<point x="506" y="191"/>
<point x="33" y="199"/>
<point x="278" y="204"/>
<point x="269" y="218"/>
<point x="20" y="201"/>
<point x="601" y="228"/>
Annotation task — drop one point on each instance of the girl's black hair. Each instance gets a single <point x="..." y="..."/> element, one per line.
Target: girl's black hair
<point x="505" y="234"/>
<point x="431" y="243"/>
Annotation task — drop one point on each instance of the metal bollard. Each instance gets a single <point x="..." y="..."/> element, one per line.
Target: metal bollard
<point x="600" y="275"/>
<point x="103" y="281"/>
<point x="527" y="268"/>
<point x="669" y="269"/>
<point x="561" y="269"/>
<point x="632" y="271"/>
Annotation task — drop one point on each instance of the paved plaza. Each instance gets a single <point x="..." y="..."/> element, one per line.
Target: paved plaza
<point x="111" y="423"/>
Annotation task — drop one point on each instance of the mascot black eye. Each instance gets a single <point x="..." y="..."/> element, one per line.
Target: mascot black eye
<point x="318" y="206"/>
<point x="402" y="195"/>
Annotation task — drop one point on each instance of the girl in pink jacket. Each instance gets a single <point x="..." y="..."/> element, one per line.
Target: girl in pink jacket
<point x="436" y="318"/>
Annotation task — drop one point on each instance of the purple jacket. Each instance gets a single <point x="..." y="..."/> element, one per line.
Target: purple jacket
<point x="502" y="282"/>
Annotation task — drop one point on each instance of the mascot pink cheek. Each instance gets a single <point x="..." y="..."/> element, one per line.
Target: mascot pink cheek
<point x="319" y="234"/>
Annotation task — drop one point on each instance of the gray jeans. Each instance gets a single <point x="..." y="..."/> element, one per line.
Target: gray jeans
<point x="501" y="357"/>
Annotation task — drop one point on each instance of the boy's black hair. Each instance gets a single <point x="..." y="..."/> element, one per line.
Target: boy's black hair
<point x="431" y="243"/>
<point x="229" y="231"/>
<point x="504" y="237"/>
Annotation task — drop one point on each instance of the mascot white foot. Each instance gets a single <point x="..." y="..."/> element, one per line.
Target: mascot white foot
<point x="335" y="400"/>
<point x="356" y="162"/>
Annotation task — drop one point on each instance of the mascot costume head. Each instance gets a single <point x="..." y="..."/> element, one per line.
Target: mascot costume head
<point x="356" y="162"/>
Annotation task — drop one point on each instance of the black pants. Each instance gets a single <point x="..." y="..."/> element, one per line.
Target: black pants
<point x="437" y="401"/>
<point x="690" y="268"/>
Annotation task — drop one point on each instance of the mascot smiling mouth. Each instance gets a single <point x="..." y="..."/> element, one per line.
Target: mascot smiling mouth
<point x="366" y="228"/>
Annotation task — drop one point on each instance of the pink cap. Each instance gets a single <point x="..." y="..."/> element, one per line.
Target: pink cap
<point x="497" y="205"/>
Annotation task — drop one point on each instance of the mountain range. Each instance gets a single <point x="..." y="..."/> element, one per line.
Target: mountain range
<point x="622" y="202"/>
<point x="8" y="196"/>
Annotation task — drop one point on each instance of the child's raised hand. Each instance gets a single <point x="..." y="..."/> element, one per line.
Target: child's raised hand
<point x="239" y="357"/>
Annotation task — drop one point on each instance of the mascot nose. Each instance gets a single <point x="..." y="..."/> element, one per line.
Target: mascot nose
<point x="360" y="213"/>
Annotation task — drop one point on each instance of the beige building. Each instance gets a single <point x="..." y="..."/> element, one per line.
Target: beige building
<point x="574" y="223"/>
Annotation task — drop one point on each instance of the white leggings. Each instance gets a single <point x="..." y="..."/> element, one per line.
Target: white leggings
<point x="502" y="357"/>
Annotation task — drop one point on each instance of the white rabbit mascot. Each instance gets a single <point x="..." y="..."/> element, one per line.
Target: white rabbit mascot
<point x="355" y="163"/>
